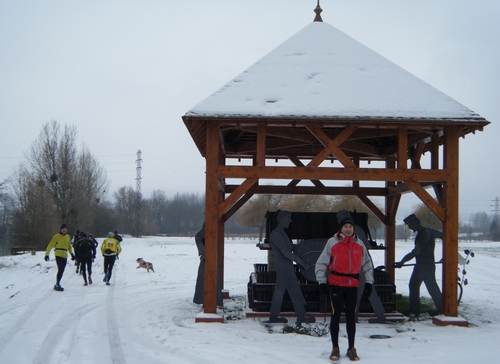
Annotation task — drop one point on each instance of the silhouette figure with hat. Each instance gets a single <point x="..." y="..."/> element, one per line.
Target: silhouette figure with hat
<point x="424" y="269"/>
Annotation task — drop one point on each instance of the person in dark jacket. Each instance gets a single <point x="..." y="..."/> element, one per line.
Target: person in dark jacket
<point x="61" y="243"/>
<point x="118" y="237"/>
<point x="74" y="239"/>
<point x="91" y="237"/>
<point x="338" y="269"/>
<point x="425" y="266"/>
<point x="85" y="251"/>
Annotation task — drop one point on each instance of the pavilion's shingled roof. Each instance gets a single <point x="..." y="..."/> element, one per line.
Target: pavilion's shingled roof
<point x="321" y="72"/>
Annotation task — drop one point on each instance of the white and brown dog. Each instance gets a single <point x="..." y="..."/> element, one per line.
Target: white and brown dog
<point x="144" y="264"/>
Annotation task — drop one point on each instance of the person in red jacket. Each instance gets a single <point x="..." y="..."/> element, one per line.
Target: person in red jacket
<point x="338" y="268"/>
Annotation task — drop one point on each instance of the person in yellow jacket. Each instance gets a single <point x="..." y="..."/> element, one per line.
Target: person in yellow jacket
<point x="61" y="243"/>
<point x="110" y="249"/>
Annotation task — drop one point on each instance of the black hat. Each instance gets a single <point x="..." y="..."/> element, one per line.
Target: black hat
<point x="63" y="226"/>
<point x="344" y="217"/>
<point x="407" y="219"/>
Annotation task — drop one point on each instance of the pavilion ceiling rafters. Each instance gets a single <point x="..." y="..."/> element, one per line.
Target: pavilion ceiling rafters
<point x="370" y="141"/>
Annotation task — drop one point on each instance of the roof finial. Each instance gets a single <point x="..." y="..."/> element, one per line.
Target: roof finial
<point x="318" y="11"/>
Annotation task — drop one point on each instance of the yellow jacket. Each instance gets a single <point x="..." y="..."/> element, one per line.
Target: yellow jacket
<point x="61" y="245"/>
<point x="110" y="246"/>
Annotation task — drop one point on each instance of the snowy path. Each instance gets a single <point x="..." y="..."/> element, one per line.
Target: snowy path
<point x="149" y="317"/>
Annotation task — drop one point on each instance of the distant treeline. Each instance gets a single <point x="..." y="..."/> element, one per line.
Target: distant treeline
<point x="60" y="183"/>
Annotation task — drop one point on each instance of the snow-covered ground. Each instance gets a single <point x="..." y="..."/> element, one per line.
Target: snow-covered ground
<point x="150" y="317"/>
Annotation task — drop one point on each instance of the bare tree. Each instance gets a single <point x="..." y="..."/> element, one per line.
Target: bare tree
<point x="53" y="159"/>
<point x="427" y="217"/>
<point x="306" y="203"/>
<point x="59" y="180"/>
<point x="402" y="232"/>
<point x="480" y="223"/>
<point x="185" y="213"/>
<point x="6" y="213"/>
<point x="155" y="212"/>
<point x="34" y="214"/>
<point x="254" y="211"/>
<point x="128" y="210"/>
<point x="352" y="203"/>
<point x="495" y="228"/>
<point x="105" y="219"/>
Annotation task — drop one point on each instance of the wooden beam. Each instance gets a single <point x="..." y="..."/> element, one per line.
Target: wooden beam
<point x="402" y="188"/>
<point x="438" y="187"/>
<point x="295" y="182"/>
<point x="237" y="206"/>
<point x="402" y="147"/>
<point x="331" y="146"/>
<point x="312" y="190"/>
<point x="373" y="208"/>
<point x="439" y="191"/>
<point x="235" y="196"/>
<point x="427" y="199"/>
<point x="261" y="144"/>
<point x="362" y="148"/>
<point x="417" y="155"/>
<point x="333" y="173"/>
<point x="296" y="134"/>
<point x="434" y="149"/>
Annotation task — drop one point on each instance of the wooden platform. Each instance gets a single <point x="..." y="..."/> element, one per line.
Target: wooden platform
<point x="362" y="315"/>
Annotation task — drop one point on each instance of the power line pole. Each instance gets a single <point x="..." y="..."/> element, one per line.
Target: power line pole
<point x="137" y="229"/>
<point x="138" y="169"/>
<point x="496" y="206"/>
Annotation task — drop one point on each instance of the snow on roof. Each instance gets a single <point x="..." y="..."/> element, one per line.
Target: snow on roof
<point x="323" y="72"/>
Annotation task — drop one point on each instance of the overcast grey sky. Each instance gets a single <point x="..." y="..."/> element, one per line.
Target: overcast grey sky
<point x="124" y="72"/>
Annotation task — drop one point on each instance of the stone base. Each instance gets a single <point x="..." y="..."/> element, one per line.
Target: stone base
<point x="208" y="317"/>
<point x="442" y="320"/>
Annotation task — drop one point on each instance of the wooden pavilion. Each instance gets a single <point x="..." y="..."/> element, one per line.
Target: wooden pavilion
<point x="324" y="115"/>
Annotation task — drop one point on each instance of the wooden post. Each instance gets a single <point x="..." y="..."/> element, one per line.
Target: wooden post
<point x="211" y="225"/>
<point x="220" y="249"/>
<point x="450" y="225"/>
<point x="391" y="207"/>
<point x="402" y="147"/>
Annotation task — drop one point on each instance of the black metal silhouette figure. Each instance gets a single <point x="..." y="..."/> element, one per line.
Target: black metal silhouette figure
<point x="200" y="280"/>
<point x="286" y="279"/>
<point x="425" y="266"/>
